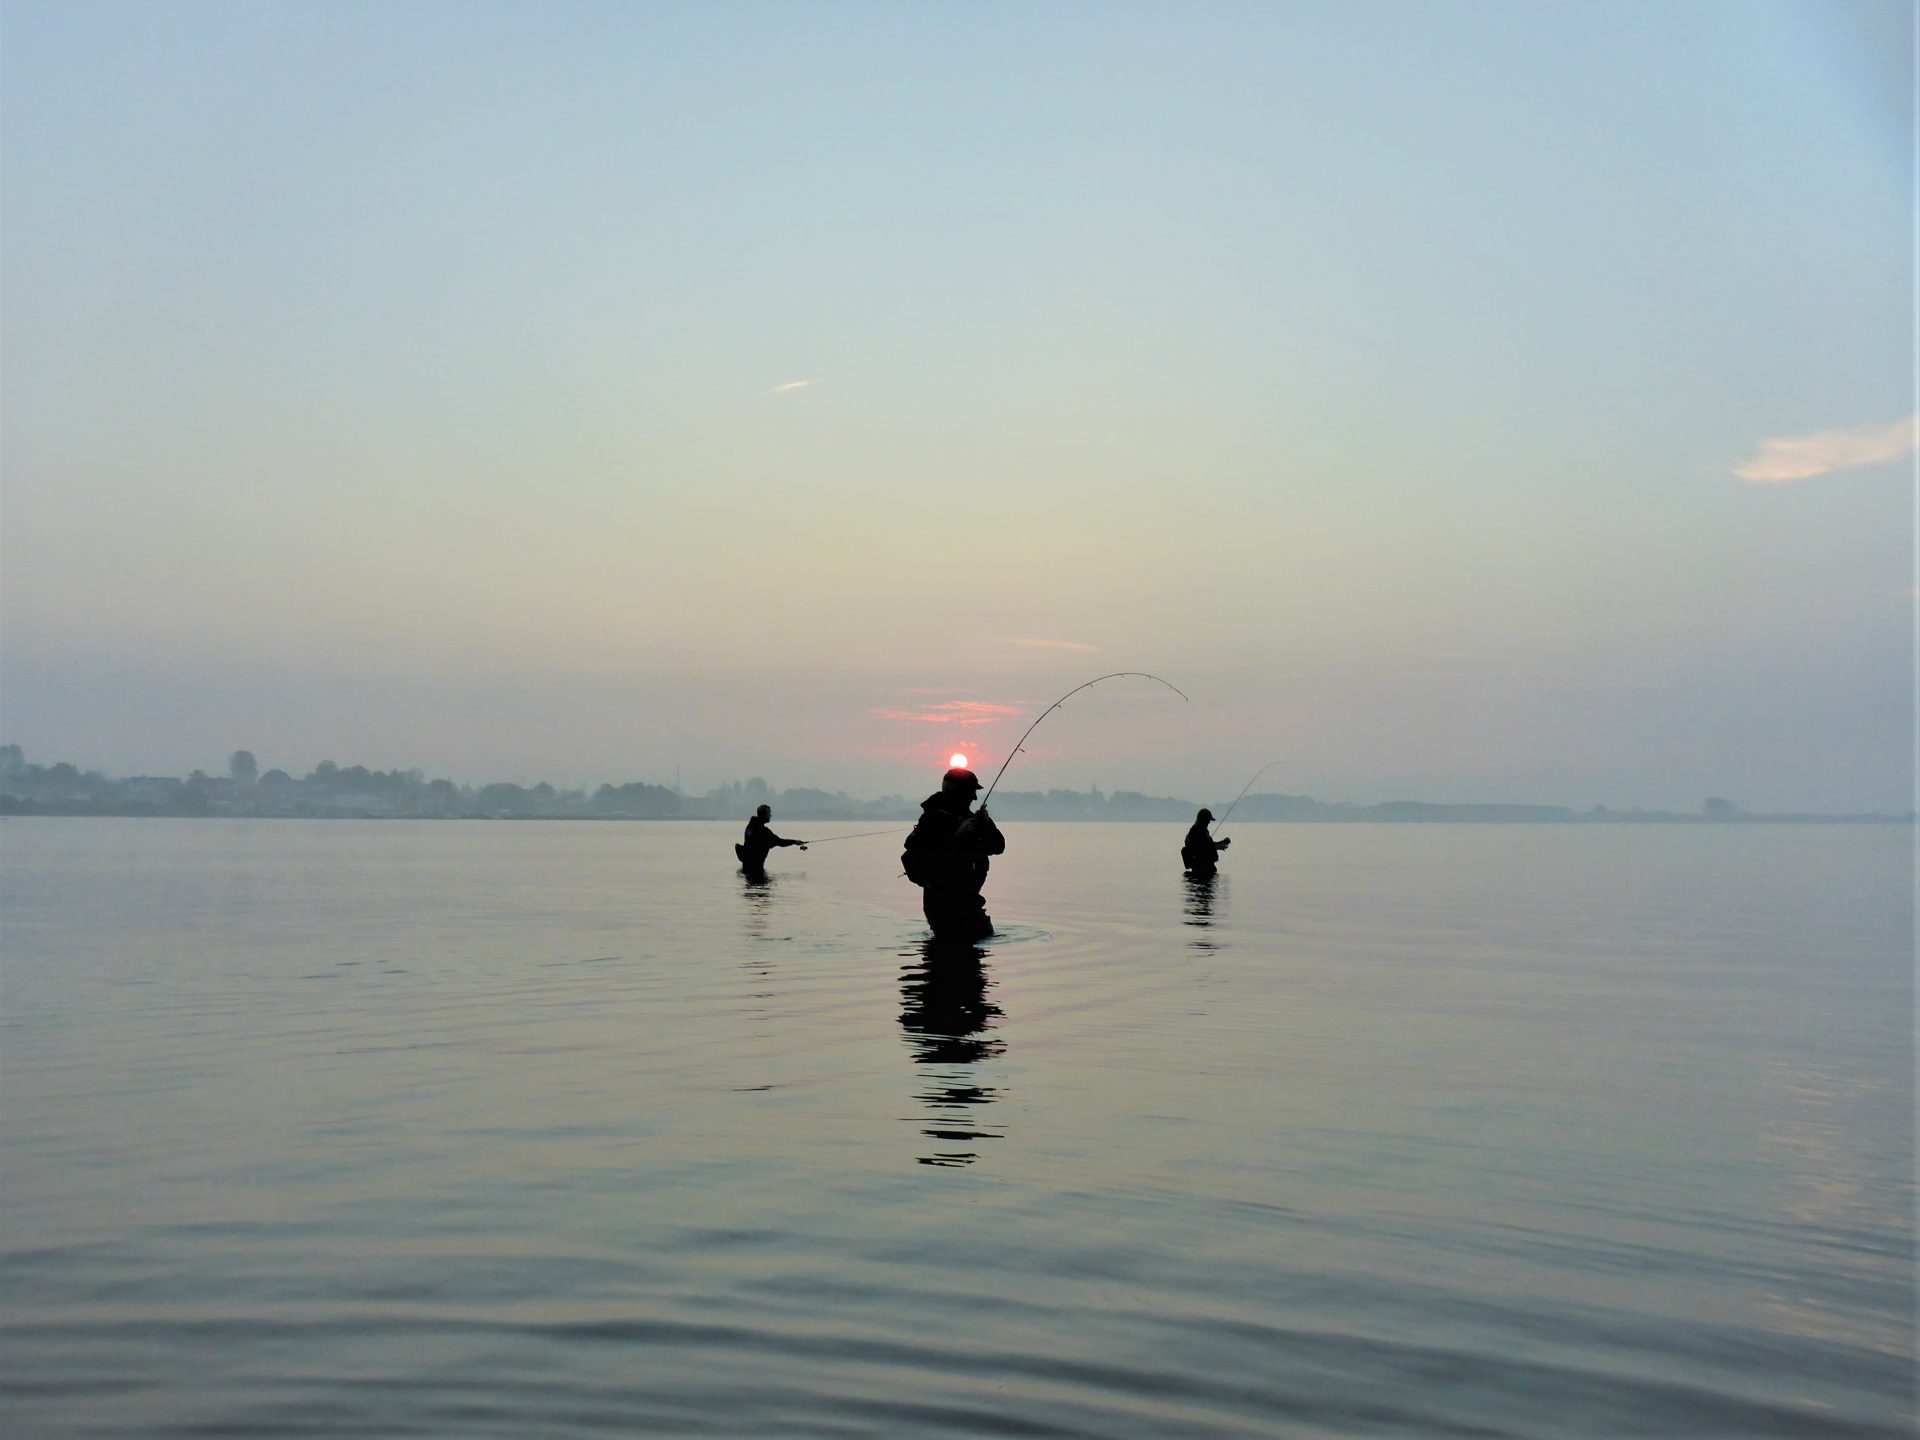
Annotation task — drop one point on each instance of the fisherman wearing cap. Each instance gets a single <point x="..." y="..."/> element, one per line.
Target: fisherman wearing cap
<point x="1200" y="852"/>
<point x="946" y="856"/>
<point x="759" y="840"/>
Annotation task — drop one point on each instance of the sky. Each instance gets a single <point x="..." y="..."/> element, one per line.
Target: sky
<point x="1457" y="401"/>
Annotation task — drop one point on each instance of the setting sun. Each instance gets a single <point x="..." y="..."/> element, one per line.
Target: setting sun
<point x="957" y="761"/>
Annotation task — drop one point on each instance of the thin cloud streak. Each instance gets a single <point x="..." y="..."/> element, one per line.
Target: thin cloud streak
<point x="1801" y="457"/>
<point x="787" y="385"/>
<point x="952" y="712"/>
<point x="1033" y="643"/>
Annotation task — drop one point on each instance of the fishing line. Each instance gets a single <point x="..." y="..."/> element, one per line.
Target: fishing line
<point x="1137" y="674"/>
<point x="1242" y="795"/>
<point x="861" y="836"/>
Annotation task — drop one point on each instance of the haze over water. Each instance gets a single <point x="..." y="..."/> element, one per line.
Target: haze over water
<point x="1466" y="400"/>
<point x="495" y="1129"/>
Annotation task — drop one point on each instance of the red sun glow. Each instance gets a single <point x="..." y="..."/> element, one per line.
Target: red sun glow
<point x="957" y="761"/>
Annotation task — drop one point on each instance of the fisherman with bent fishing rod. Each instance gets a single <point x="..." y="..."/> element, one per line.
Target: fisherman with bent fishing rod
<point x="1200" y="852"/>
<point x="947" y="857"/>
<point x="947" y="853"/>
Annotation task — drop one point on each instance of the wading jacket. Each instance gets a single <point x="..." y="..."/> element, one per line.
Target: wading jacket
<point x="1201" y="850"/>
<point x="760" y="839"/>
<point x="948" y="848"/>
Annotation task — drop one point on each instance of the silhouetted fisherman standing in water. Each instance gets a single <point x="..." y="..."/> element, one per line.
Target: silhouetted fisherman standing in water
<point x="1200" y="852"/>
<point x="946" y="856"/>
<point x="759" y="840"/>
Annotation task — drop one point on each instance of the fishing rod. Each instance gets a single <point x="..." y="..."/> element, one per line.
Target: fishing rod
<point x="861" y="836"/>
<point x="1137" y="674"/>
<point x="1242" y="795"/>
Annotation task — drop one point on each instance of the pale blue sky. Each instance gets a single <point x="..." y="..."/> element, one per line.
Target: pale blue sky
<point x="401" y="384"/>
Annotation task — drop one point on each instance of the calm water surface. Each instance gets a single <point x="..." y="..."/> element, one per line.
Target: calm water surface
<point x="470" y="1129"/>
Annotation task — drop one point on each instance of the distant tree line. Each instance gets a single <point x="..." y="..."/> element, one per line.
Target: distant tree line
<point x="332" y="791"/>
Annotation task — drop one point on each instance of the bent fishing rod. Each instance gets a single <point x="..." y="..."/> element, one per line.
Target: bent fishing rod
<point x="1116" y="675"/>
<point x="1242" y="795"/>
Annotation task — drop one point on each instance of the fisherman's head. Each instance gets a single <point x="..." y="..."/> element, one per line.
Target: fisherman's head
<point x="1203" y="817"/>
<point x="963" y="783"/>
<point x="765" y="812"/>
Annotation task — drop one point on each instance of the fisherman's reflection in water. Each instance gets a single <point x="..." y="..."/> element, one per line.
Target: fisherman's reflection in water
<point x="1204" y="893"/>
<point x="760" y="891"/>
<point x="948" y="1021"/>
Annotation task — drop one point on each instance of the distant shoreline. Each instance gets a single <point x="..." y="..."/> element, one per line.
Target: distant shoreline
<point x="335" y="792"/>
<point x="1439" y="815"/>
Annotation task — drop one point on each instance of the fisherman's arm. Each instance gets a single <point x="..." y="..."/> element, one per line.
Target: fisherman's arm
<point x="985" y="833"/>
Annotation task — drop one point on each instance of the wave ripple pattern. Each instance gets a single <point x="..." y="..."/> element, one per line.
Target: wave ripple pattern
<point x="494" y="1129"/>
